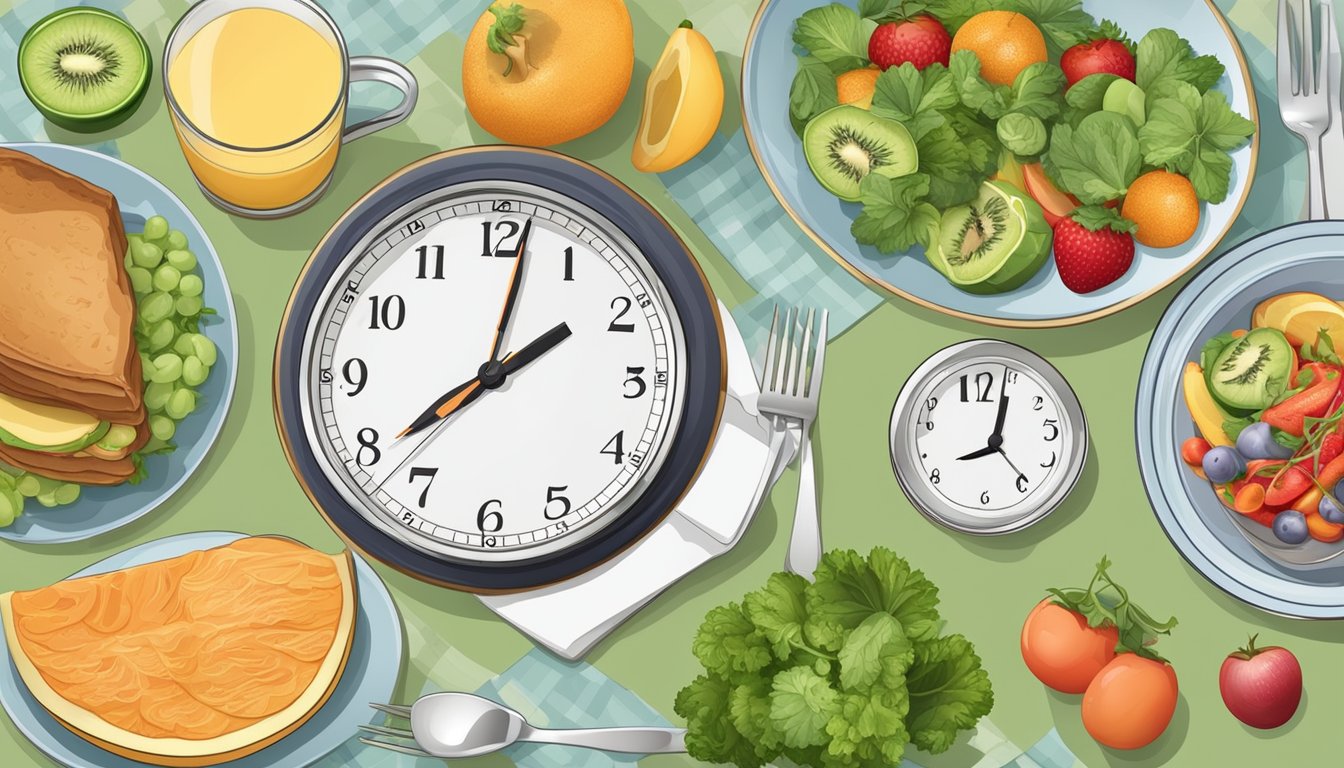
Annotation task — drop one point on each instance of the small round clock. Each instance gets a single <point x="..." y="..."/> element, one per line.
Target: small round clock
<point x="498" y="369"/>
<point x="987" y="437"/>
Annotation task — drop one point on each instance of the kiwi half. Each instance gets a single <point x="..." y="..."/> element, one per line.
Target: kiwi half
<point x="994" y="243"/>
<point x="85" y="69"/>
<point x="844" y="144"/>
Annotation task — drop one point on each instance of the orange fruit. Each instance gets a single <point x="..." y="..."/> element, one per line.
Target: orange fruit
<point x="1164" y="206"/>
<point x="1005" y="42"/>
<point x="857" y="86"/>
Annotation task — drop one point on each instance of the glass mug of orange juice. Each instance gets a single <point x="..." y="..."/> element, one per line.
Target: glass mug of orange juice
<point x="257" y="90"/>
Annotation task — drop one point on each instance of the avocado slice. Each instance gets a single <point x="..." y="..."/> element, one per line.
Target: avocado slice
<point x="50" y="429"/>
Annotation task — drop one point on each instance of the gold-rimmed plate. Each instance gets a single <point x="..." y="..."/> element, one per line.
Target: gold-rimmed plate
<point x="767" y="69"/>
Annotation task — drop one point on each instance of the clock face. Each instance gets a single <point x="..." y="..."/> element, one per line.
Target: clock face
<point x="987" y="437"/>
<point x="535" y="463"/>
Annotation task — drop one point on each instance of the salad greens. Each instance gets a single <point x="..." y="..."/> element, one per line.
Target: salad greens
<point x="842" y="672"/>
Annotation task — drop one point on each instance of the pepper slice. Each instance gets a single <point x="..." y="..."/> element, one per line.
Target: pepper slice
<point x="1312" y="402"/>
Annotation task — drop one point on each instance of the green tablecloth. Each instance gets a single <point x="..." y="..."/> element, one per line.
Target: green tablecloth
<point x="988" y="585"/>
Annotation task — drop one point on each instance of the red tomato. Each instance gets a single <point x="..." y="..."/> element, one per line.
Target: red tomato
<point x="1061" y="650"/>
<point x="1130" y="702"/>
<point x="1193" y="450"/>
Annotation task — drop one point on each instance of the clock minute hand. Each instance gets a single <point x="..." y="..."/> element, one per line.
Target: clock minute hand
<point x="512" y="298"/>
<point x="454" y="400"/>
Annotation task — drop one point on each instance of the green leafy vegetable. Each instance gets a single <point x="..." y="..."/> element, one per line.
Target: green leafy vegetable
<point x="1192" y="134"/>
<point x="954" y="13"/>
<point x="1094" y="217"/>
<point x="1036" y="91"/>
<point x="1023" y="135"/>
<point x="1064" y="22"/>
<point x="947" y="160"/>
<point x="1086" y="95"/>
<point x="867" y="675"/>
<point x="914" y="97"/>
<point x="1163" y="56"/>
<point x="1322" y="351"/>
<point x="1208" y="354"/>
<point x="896" y="213"/>
<point x="835" y="35"/>
<point x="813" y="92"/>
<point x="1105" y="603"/>
<point x="1098" y="161"/>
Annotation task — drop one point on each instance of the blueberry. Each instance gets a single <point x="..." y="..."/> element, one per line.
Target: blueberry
<point x="1223" y="465"/>
<point x="1257" y="442"/>
<point x="1330" y="509"/>
<point x="1290" y="526"/>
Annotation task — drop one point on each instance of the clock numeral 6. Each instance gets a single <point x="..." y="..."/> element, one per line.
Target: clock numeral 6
<point x="984" y="497"/>
<point x="490" y="520"/>
<point x="615" y="447"/>
<point x="634" y="376"/>
<point x="1053" y="426"/>
<point x="368" y="441"/>
<point x="553" y="496"/>
<point x="616" y="326"/>
<point x="390" y="311"/>
<point x="419" y="472"/>
<point x="1022" y="482"/>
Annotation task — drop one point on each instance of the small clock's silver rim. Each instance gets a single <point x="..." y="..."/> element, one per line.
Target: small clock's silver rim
<point x="436" y="547"/>
<point x="902" y="415"/>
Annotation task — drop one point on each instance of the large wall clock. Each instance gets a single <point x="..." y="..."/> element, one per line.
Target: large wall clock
<point x="498" y="369"/>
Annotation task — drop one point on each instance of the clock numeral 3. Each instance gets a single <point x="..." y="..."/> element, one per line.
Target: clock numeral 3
<point x="490" y="520"/>
<point x="553" y="496"/>
<point x="368" y="441"/>
<point x="633" y="376"/>
<point x="390" y="311"/>
<point x="419" y="472"/>
<point x="1052" y="461"/>
<point x="615" y="447"/>
<point x="356" y="374"/>
<point x="1053" y="426"/>
<point x="486" y="250"/>
<point x="423" y="252"/>
<point x="984" y="383"/>
<point x="617" y="326"/>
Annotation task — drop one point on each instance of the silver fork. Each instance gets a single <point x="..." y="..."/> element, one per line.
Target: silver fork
<point x="1304" y="98"/>
<point x="790" y="390"/>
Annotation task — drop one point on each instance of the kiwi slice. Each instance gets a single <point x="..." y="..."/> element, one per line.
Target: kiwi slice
<point x="994" y="243"/>
<point x="84" y="69"/>
<point x="845" y="143"/>
<point x="1250" y="372"/>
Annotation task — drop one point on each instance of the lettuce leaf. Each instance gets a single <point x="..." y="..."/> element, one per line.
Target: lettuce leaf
<point x="1163" y="56"/>
<point x="1192" y="134"/>
<point x="896" y="213"/>
<point x="1098" y="161"/>
<point x="835" y="35"/>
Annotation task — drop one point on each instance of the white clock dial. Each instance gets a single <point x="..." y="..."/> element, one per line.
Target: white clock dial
<point x="987" y="437"/>
<point x="558" y="450"/>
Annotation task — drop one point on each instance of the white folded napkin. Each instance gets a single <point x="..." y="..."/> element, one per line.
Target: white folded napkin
<point x="747" y="458"/>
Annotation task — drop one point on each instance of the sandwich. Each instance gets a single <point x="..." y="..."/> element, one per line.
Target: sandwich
<point x="71" y="391"/>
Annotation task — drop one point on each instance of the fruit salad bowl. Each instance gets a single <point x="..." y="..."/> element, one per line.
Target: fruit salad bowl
<point x="1233" y="551"/>
<point x="1020" y="295"/>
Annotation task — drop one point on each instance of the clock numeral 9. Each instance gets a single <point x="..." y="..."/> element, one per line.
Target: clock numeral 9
<point x="423" y="252"/>
<point x="391" y="311"/>
<point x="553" y="496"/>
<point x="486" y="250"/>
<point x="418" y="472"/>
<point x="633" y="374"/>
<point x="615" y="447"/>
<point x="984" y="383"/>
<point x="368" y="441"/>
<point x="356" y="374"/>
<point x="1053" y="426"/>
<point x="617" y="326"/>
<point x="490" y="520"/>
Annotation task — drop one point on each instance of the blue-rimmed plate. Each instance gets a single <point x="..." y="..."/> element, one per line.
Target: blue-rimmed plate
<point x="370" y="675"/>
<point x="768" y="67"/>
<point x="104" y="508"/>
<point x="1300" y="257"/>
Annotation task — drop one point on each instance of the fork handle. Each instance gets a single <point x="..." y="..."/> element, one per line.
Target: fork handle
<point x="805" y="541"/>
<point x="1316" y="181"/>
<point x="650" y="740"/>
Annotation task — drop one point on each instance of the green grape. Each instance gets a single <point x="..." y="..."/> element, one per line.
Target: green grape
<point x="156" y="306"/>
<point x="205" y="349"/>
<point x="189" y="306"/>
<point x="176" y="240"/>
<point x="67" y="494"/>
<point x="28" y="485"/>
<point x="141" y="279"/>
<point x="156" y="228"/>
<point x="181" y="404"/>
<point x="191" y="285"/>
<point x="161" y="335"/>
<point x="166" y="277"/>
<point x="182" y="260"/>
<point x="162" y="427"/>
<point x="120" y="435"/>
<point x="147" y="255"/>
<point x="156" y="396"/>
<point x="183" y="346"/>
<point x="8" y="509"/>
<point x="194" y="372"/>
<point x="167" y="369"/>
<point x="47" y="499"/>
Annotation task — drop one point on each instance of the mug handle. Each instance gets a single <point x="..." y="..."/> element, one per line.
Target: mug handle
<point x="388" y="72"/>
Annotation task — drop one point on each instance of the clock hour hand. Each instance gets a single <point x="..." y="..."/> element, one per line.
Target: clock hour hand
<point x="980" y="454"/>
<point x="512" y="298"/>
<point x="538" y="347"/>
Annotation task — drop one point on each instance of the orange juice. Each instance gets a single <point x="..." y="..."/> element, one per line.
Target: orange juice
<point x="263" y="91"/>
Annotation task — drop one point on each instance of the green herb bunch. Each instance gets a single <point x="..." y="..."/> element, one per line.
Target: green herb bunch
<point x="842" y="672"/>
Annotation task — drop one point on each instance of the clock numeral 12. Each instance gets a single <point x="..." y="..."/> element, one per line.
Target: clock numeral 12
<point x="984" y="382"/>
<point x="429" y="472"/>
<point x="423" y="252"/>
<point x="486" y="250"/>
<point x="391" y="311"/>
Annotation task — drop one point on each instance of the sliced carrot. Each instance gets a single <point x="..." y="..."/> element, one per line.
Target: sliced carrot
<point x="1332" y="473"/>
<point x="1250" y="499"/>
<point x="1324" y="530"/>
<point x="1237" y="334"/>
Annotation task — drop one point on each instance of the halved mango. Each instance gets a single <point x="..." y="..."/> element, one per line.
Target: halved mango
<point x="1208" y="417"/>
<point x="683" y="103"/>
<point x="1300" y="316"/>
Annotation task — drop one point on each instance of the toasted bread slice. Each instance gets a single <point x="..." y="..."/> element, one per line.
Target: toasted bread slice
<point x="86" y="469"/>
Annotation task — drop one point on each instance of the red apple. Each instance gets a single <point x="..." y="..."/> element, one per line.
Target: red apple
<point x="1054" y="202"/>
<point x="1261" y="687"/>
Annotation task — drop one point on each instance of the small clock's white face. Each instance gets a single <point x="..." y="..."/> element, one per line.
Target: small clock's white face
<point x="954" y="444"/>
<point x="564" y="445"/>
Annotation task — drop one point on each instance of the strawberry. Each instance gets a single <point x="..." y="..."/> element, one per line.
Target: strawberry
<point x="920" y="40"/>
<point x="1105" y="55"/>
<point x="1094" y="247"/>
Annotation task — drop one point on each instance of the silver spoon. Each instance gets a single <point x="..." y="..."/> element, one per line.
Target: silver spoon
<point x="456" y="725"/>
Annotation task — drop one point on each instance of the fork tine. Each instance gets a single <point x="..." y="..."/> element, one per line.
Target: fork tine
<point x="1323" y="50"/>
<point x="768" y="371"/>
<point x="818" y="359"/>
<point x="392" y="709"/>
<point x="800" y="376"/>
<point x="1285" y="56"/>
<point x="1307" y="74"/>
<point x="395" y="747"/>
<point x="785" y="342"/>
<point x="398" y="733"/>
<point x="795" y="351"/>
